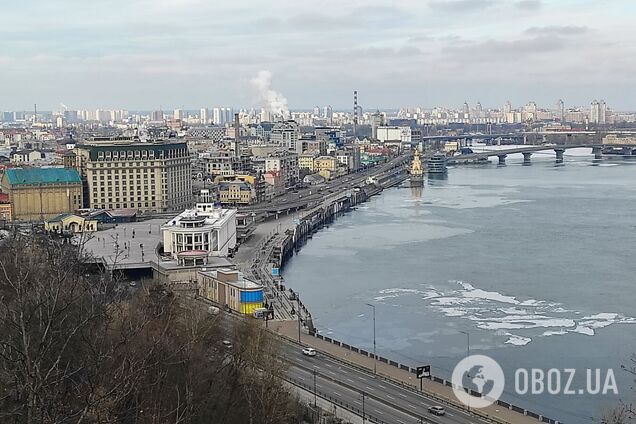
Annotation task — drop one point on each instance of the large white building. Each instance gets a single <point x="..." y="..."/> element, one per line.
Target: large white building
<point x="387" y="133"/>
<point x="196" y="234"/>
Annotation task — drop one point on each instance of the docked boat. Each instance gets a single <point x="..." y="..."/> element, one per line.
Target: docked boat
<point x="417" y="175"/>
<point x="436" y="164"/>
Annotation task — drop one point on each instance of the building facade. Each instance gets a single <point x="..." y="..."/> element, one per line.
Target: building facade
<point x="126" y="173"/>
<point x="198" y="233"/>
<point x="326" y="166"/>
<point x="306" y="161"/>
<point x="37" y="194"/>
<point x="231" y="289"/>
<point x="286" y="134"/>
<point x="236" y="193"/>
<point x="286" y="165"/>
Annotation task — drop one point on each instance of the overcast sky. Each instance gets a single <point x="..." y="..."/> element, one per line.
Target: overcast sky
<point x="143" y="54"/>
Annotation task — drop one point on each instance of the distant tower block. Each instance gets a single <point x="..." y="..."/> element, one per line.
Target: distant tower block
<point x="355" y="111"/>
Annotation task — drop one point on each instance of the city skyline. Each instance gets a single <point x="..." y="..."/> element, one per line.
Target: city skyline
<point x="139" y="54"/>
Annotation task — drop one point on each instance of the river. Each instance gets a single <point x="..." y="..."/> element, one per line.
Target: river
<point x="535" y="262"/>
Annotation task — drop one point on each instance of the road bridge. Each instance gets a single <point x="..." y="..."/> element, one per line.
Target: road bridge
<point x="527" y="151"/>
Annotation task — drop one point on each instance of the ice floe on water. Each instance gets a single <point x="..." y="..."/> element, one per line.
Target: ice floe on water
<point x="519" y="320"/>
<point x="518" y="340"/>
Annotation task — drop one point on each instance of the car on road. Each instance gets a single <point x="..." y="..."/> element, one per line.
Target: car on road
<point x="437" y="410"/>
<point x="309" y="351"/>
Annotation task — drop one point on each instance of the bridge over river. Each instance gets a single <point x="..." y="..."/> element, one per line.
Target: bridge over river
<point x="527" y="152"/>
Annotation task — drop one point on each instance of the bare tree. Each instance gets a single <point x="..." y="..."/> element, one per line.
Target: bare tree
<point x="73" y="349"/>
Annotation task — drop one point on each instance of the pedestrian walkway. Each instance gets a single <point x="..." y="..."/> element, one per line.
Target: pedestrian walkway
<point x="289" y="329"/>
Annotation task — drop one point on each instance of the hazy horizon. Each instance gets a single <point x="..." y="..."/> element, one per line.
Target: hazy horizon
<point x="143" y="54"/>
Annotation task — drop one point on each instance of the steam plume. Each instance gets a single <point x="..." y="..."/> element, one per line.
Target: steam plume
<point x="270" y="100"/>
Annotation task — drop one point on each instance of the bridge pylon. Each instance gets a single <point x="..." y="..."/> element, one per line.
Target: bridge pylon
<point x="526" y="158"/>
<point x="559" y="154"/>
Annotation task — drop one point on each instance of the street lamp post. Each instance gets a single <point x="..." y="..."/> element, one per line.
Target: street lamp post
<point x="298" y="314"/>
<point x="467" y="342"/>
<point x="467" y="356"/>
<point x="364" y="415"/>
<point x="315" y="395"/>
<point x="375" y="370"/>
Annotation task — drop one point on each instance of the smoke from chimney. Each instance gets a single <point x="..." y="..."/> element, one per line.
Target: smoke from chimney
<point x="270" y="100"/>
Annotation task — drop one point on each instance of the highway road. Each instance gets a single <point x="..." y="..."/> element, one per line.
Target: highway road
<point x="384" y="401"/>
<point x="313" y="195"/>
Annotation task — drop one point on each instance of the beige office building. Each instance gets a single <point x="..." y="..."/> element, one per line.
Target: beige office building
<point x="127" y="173"/>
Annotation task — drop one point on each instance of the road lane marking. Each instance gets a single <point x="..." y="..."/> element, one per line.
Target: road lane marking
<point x="390" y="397"/>
<point x="382" y="386"/>
<point x="411" y="406"/>
<point x="402" y="394"/>
<point x="348" y="379"/>
<point x="362" y="378"/>
<point x="370" y="389"/>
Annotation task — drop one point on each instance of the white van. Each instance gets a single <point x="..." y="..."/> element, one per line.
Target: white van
<point x="260" y="313"/>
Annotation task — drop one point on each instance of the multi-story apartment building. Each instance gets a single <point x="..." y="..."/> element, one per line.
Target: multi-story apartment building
<point x="126" y="173"/>
<point x="286" y="134"/>
<point x="326" y="166"/>
<point x="350" y="157"/>
<point x="236" y="193"/>
<point x="213" y="133"/>
<point x="284" y="163"/>
<point x="307" y="161"/>
<point x="225" y="163"/>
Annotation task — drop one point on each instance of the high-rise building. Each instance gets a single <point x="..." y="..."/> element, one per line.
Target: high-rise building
<point x="377" y="120"/>
<point x="156" y="115"/>
<point x="328" y="114"/>
<point x="465" y="111"/>
<point x="598" y="112"/>
<point x="203" y="116"/>
<point x="478" y="110"/>
<point x="602" y="112"/>
<point x="507" y="107"/>
<point x="178" y="114"/>
<point x="560" y="110"/>
<point x="229" y="115"/>
<point x="126" y="173"/>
